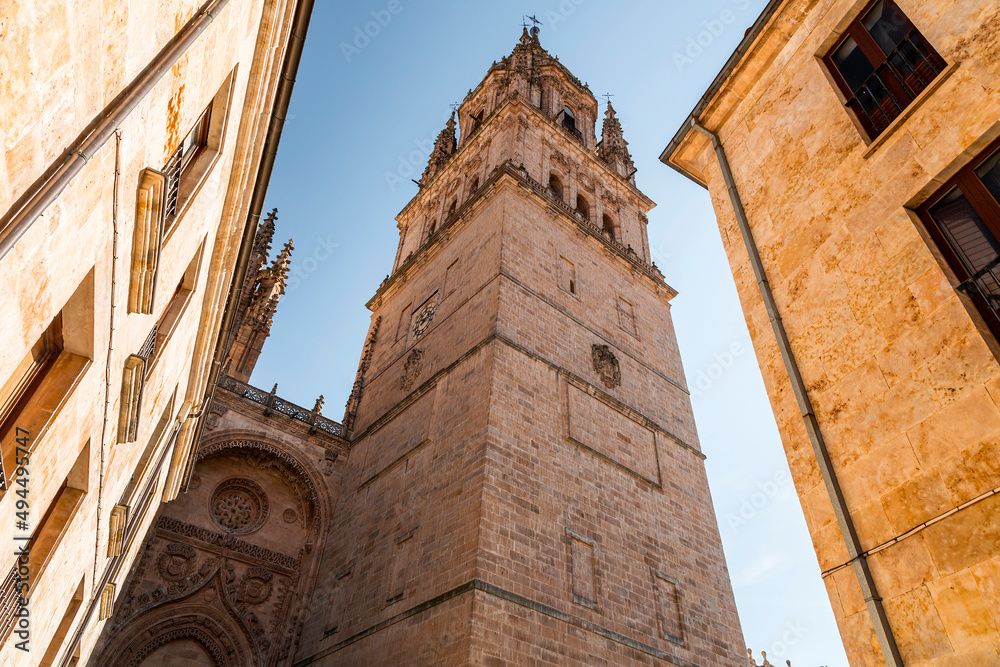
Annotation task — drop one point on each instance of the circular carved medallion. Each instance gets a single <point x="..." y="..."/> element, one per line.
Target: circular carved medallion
<point x="239" y="505"/>
<point x="289" y="515"/>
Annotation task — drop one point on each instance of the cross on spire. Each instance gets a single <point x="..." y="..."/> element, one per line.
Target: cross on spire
<point x="607" y="97"/>
<point x="535" y="22"/>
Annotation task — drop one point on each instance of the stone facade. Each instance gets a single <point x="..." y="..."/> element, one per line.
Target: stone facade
<point x="900" y="367"/>
<point x="517" y="478"/>
<point x="524" y="482"/>
<point x="112" y="297"/>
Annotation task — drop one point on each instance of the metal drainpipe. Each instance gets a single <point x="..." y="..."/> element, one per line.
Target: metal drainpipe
<point x="30" y="206"/>
<point x="857" y="557"/>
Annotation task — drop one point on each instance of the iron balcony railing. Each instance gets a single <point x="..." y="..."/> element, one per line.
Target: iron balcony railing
<point x="894" y="84"/>
<point x="275" y="404"/>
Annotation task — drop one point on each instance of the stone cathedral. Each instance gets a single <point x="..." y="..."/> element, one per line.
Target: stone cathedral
<point x="517" y="478"/>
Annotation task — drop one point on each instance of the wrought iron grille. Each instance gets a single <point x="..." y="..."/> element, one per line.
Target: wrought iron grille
<point x="148" y="345"/>
<point x="10" y="595"/>
<point x="172" y="172"/>
<point x="894" y="84"/>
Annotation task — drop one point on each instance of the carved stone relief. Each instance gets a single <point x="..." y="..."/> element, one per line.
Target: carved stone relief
<point x="239" y="505"/>
<point x="411" y="369"/>
<point x="606" y="366"/>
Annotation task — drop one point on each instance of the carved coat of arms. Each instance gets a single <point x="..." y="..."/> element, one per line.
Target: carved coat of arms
<point x="606" y="366"/>
<point x="411" y="369"/>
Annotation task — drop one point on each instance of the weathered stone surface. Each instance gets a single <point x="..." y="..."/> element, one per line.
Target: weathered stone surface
<point x="901" y="373"/>
<point x="63" y="63"/>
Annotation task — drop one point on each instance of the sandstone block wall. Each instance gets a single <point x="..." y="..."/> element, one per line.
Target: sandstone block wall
<point x="902" y="373"/>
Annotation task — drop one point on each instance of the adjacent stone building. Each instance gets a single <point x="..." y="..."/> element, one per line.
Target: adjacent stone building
<point x="517" y="478"/>
<point x="137" y="141"/>
<point x="851" y="152"/>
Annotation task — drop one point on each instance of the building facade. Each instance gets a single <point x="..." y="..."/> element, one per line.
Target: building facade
<point x="133" y="152"/>
<point x="225" y="575"/>
<point x="524" y="482"/>
<point x="517" y="477"/>
<point x="851" y="150"/>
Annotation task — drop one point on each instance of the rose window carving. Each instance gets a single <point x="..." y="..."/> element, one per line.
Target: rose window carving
<point x="239" y="505"/>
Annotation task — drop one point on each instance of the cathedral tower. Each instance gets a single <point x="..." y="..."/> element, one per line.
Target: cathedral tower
<point x="524" y="482"/>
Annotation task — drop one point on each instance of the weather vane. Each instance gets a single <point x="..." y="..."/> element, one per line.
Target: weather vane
<point x="454" y="105"/>
<point x="607" y="97"/>
<point x="536" y="22"/>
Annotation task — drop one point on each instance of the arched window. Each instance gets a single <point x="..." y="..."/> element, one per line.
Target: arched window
<point x="609" y="226"/>
<point x="431" y="227"/>
<point x="556" y="186"/>
<point x="583" y="207"/>
<point x="451" y="209"/>
<point x="569" y="120"/>
<point x="475" y="184"/>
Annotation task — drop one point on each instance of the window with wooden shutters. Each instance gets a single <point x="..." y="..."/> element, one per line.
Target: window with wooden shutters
<point x="963" y="218"/>
<point x="881" y="65"/>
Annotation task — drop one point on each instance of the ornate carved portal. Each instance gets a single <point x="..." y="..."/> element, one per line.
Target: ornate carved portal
<point x="220" y="572"/>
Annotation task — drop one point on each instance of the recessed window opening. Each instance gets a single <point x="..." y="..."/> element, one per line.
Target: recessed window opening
<point x="556" y="186"/>
<point x="963" y="218"/>
<point x="569" y="120"/>
<point x="179" y="164"/>
<point x="609" y="226"/>
<point x="881" y="65"/>
<point x="583" y="207"/>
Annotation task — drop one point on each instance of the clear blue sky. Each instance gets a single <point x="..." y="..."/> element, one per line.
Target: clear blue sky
<point x="359" y="111"/>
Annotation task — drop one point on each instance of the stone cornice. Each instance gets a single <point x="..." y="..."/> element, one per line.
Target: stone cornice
<point x="520" y="176"/>
<point x="582" y="155"/>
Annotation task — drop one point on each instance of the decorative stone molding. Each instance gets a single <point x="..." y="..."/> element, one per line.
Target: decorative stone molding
<point x="239" y="505"/>
<point x="116" y="530"/>
<point x="411" y="369"/>
<point x="177" y="562"/>
<point x="766" y="663"/>
<point x="133" y="379"/>
<point x="606" y="366"/>
<point x="234" y="544"/>
<point x="255" y="585"/>
<point x="263" y="455"/>
<point x="107" y="604"/>
<point x="147" y="238"/>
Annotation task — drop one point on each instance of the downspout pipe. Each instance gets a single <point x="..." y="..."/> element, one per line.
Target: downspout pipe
<point x="279" y="113"/>
<point x="858" y="560"/>
<point x="29" y="207"/>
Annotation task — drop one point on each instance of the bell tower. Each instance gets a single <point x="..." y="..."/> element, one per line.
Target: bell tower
<point x="524" y="482"/>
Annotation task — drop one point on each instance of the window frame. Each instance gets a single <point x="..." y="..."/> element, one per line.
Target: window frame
<point x="988" y="209"/>
<point x="877" y="58"/>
